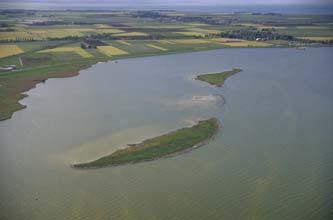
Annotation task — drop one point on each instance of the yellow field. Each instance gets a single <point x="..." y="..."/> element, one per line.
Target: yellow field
<point x="77" y="50"/>
<point x="103" y="26"/>
<point x="124" y="42"/>
<point x="15" y="35"/>
<point x="9" y="50"/>
<point x="191" y="33"/>
<point x="225" y="40"/>
<point x="247" y="43"/>
<point x="130" y="34"/>
<point x="318" y="38"/>
<point x="196" y="24"/>
<point x="191" y="41"/>
<point x="166" y="42"/>
<point x="111" y="51"/>
<point x="42" y="34"/>
<point x="204" y="31"/>
<point x="157" y="47"/>
<point x="260" y="26"/>
<point x="109" y="31"/>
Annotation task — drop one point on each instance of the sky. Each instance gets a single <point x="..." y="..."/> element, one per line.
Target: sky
<point x="180" y="2"/>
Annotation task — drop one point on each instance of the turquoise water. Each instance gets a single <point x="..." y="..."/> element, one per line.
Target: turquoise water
<point x="271" y="160"/>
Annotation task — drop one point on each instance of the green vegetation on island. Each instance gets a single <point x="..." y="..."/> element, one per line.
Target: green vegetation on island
<point x="162" y="146"/>
<point x="217" y="79"/>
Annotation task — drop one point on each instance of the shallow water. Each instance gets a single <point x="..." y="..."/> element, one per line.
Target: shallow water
<point x="273" y="158"/>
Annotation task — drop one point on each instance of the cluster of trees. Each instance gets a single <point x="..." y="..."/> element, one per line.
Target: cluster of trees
<point x="64" y="38"/>
<point x="148" y="14"/>
<point x="7" y="29"/>
<point x="3" y="24"/>
<point x="58" y="22"/>
<point x="46" y="23"/>
<point x="92" y="43"/>
<point x="255" y="34"/>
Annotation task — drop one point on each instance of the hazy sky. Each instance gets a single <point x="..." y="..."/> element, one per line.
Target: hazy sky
<point x="181" y="2"/>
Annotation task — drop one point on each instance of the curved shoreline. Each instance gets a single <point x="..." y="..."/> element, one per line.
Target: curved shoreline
<point x="28" y="83"/>
<point x="32" y="82"/>
<point x="215" y="122"/>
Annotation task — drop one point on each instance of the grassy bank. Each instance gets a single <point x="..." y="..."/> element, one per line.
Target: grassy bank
<point x="217" y="79"/>
<point x="13" y="84"/>
<point x="161" y="146"/>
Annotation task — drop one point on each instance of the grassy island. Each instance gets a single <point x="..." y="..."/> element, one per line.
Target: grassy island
<point x="217" y="79"/>
<point x="166" y="145"/>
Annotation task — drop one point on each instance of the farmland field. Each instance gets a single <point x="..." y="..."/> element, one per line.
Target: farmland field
<point x="76" y="50"/>
<point x="204" y="31"/>
<point x="9" y="50"/>
<point x="111" y="51"/>
<point x="124" y="42"/>
<point x="15" y="35"/>
<point x="246" y="44"/>
<point x="190" y="33"/>
<point x="130" y="34"/>
<point x="318" y="38"/>
<point x="166" y="42"/>
<point x="44" y="33"/>
<point x="157" y="47"/>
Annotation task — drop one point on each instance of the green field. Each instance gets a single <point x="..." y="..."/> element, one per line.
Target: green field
<point x="217" y="79"/>
<point x="161" y="146"/>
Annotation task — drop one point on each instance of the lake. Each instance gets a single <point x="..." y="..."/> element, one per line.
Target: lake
<point x="272" y="159"/>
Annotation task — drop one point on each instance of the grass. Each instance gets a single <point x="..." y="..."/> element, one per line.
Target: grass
<point x="109" y="31"/>
<point x="9" y="50"/>
<point x="190" y="33"/>
<point x="205" y="31"/>
<point x="247" y="43"/>
<point x="41" y="34"/>
<point x="46" y="33"/>
<point x="111" y="51"/>
<point x="157" y="47"/>
<point x="225" y="40"/>
<point x="76" y="50"/>
<point x="15" y="35"/>
<point x="161" y="146"/>
<point x="217" y="79"/>
<point x="130" y="34"/>
<point x="191" y="41"/>
<point x="103" y="26"/>
<point x="318" y="38"/>
<point x="124" y="42"/>
<point x="166" y="42"/>
<point x="12" y="84"/>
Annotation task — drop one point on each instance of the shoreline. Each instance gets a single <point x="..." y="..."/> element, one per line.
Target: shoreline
<point x="217" y="125"/>
<point x="32" y="82"/>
